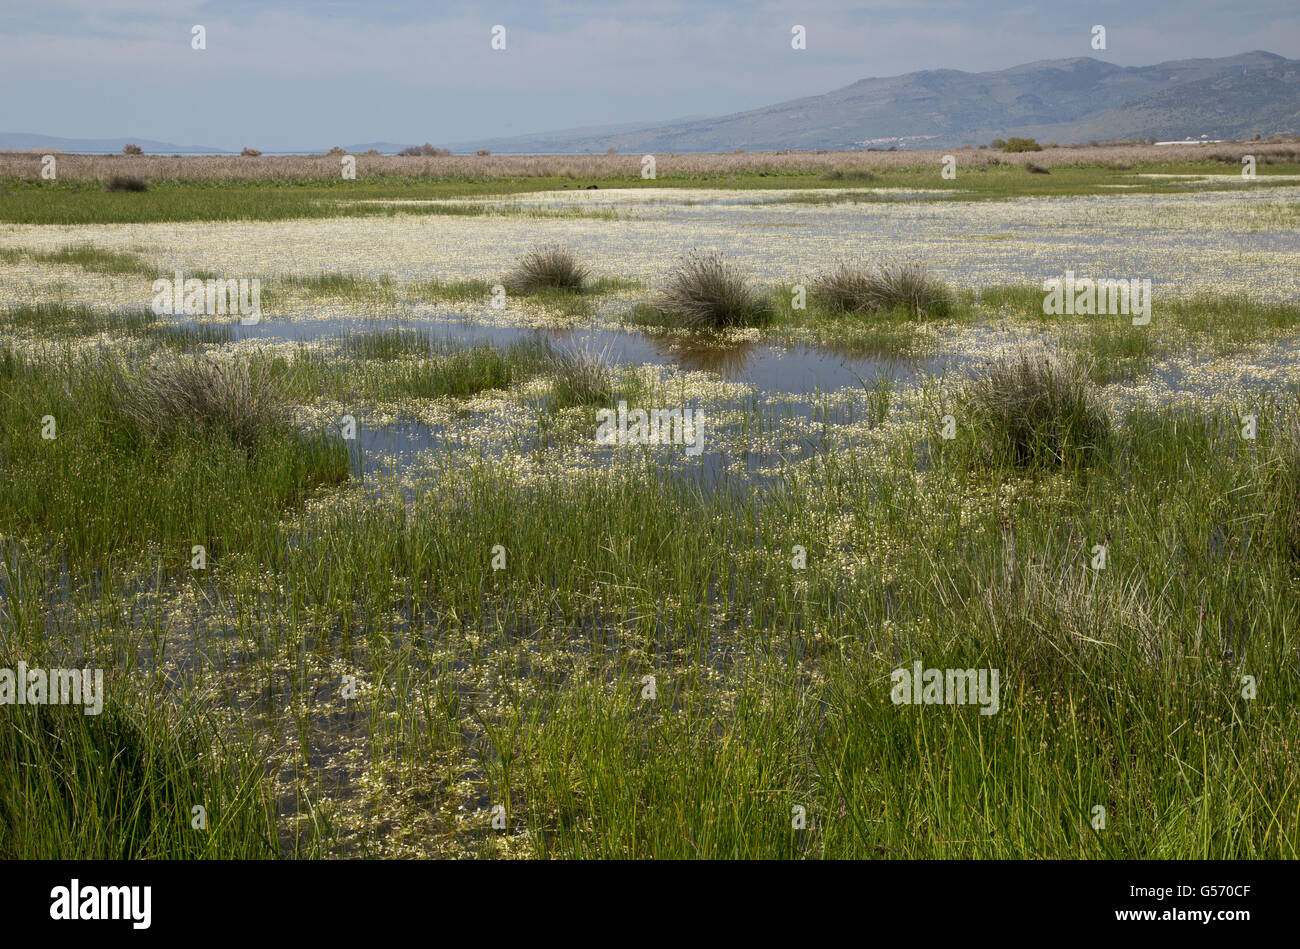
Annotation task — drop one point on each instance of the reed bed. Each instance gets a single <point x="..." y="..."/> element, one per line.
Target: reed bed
<point x="838" y="164"/>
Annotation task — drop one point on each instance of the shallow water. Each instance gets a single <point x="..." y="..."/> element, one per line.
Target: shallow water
<point x="796" y="370"/>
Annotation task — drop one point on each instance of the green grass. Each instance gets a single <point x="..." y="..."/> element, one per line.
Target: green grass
<point x="1119" y="673"/>
<point x="1114" y="350"/>
<point x="339" y="285"/>
<point x="126" y="472"/>
<point x="59" y="320"/>
<point x="396" y="364"/>
<point x="33" y="201"/>
<point x="122" y="785"/>
<point x="97" y="259"/>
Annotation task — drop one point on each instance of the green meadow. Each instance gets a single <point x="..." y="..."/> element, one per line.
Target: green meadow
<point x="30" y="200"/>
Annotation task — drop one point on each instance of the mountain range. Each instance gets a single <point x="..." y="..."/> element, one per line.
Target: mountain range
<point x="1062" y="100"/>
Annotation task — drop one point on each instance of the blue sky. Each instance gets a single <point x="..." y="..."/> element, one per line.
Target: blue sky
<point x="278" y="75"/>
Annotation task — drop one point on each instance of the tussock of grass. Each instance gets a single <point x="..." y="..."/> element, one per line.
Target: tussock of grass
<point x="909" y="288"/>
<point x="237" y="399"/>
<point x="850" y="174"/>
<point x="553" y="267"/>
<point x="708" y="292"/>
<point x="1035" y="409"/>
<point x="582" y="378"/>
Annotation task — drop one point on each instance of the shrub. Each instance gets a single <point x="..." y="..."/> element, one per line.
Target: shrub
<point x="1021" y="145"/>
<point x="706" y="291"/>
<point x="426" y="150"/>
<point x="125" y="183"/>
<point x="998" y="143"/>
<point x="1032" y="408"/>
<point x="250" y="152"/>
<point x="132" y="150"/>
<point x="482" y="153"/>
<point x="891" y="287"/>
<point x="336" y="150"/>
<point x="553" y="267"/>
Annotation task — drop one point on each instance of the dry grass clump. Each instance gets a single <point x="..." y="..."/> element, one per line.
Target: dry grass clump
<point x="1035" y="409"/>
<point x="553" y="267"/>
<point x="238" y="398"/>
<point x="708" y="292"/>
<point x="907" y="287"/>
<point x="1052" y="615"/>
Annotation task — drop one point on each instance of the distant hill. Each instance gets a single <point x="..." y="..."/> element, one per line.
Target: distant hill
<point x="24" y="141"/>
<point x="1065" y="100"/>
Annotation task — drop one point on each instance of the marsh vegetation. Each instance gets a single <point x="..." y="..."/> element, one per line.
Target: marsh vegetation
<point x="426" y="598"/>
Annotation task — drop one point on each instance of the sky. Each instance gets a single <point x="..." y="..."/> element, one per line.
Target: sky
<point x="290" y="74"/>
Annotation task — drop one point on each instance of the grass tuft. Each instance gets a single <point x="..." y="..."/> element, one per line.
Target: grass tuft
<point x="239" y="399"/>
<point x="1035" y="409"/>
<point x="554" y="267"/>
<point x="709" y="292"/>
<point x="582" y="378"/>
<point x="908" y="288"/>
